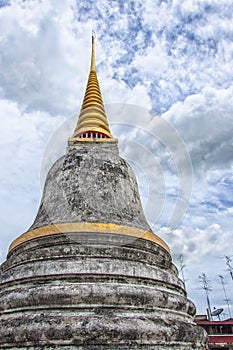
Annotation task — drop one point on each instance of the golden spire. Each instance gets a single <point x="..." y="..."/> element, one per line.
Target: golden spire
<point x="92" y="122"/>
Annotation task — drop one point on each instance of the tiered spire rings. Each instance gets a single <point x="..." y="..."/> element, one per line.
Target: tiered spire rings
<point x="92" y="122"/>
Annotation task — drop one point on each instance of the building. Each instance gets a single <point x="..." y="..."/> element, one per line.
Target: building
<point x="90" y="273"/>
<point x="220" y="332"/>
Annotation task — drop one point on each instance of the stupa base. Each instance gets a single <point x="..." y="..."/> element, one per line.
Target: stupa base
<point x="94" y="291"/>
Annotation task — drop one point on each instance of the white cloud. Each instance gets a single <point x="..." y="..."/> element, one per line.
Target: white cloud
<point x="38" y="50"/>
<point x="154" y="61"/>
<point x="118" y="92"/>
<point x="195" y="244"/>
<point x="230" y="210"/>
<point x="205" y="121"/>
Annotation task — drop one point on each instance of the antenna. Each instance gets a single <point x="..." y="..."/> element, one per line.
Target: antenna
<point x="207" y="289"/>
<point x="182" y="266"/>
<point x="228" y="263"/>
<point x="225" y="294"/>
<point x="93" y="34"/>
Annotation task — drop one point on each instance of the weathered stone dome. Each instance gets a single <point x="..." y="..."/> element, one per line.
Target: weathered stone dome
<point x="91" y="188"/>
<point x="91" y="183"/>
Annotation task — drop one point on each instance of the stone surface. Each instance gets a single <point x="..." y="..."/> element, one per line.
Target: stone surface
<point x="91" y="184"/>
<point x="92" y="290"/>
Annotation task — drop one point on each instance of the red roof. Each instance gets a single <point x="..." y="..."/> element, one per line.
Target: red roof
<point x="217" y="323"/>
<point x="221" y="339"/>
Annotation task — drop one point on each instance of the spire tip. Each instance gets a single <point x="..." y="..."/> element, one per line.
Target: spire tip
<point x="93" y="51"/>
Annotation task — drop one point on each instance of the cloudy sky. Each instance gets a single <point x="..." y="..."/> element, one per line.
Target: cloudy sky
<point x="165" y="70"/>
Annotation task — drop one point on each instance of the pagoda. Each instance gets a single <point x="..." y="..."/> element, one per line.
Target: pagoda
<point x="90" y="273"/>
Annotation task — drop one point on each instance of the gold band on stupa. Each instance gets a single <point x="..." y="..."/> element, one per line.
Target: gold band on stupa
<point x="77" y="227"/>
<point x="92" y="120"/>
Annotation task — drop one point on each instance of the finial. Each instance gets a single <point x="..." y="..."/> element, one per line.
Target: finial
<point x="93" y="52"/>
<point x="92" y="122"/>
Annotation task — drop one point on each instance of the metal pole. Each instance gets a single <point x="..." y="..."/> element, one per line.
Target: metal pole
<point x="230" y="268"/>
<point x="224" y="291"/>
<point x="206" y="288"/>
<point x="182" y="266"/>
